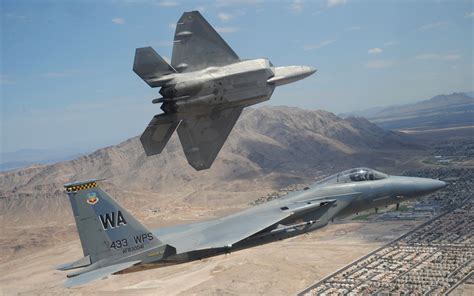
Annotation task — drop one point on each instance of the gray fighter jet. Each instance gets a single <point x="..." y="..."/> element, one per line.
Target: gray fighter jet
<point x="113" y="241"/>
<point x="204" y="89"/>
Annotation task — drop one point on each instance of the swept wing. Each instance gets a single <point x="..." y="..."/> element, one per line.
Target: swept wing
<point x="222" y="232"/>
<point x="202" y="137"/>
<point x="226" y="231"/>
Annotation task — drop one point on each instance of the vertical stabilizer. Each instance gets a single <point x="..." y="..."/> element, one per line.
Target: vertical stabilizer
<point x="105" y="228"/>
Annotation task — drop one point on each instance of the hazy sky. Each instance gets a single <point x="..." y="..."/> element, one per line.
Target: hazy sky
<point x="66" y="66"/>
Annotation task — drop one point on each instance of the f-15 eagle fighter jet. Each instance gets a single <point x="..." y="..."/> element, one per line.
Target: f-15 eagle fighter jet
<point x="114" y="241"/>
<point x="204" y="89"/>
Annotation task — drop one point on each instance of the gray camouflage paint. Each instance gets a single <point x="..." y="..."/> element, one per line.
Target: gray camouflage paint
<point x="204" y="89"/>
<point x="299" y="212"/>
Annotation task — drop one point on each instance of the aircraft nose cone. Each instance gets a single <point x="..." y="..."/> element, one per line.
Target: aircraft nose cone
<point x="431" y="185"/>
<point x="310" y="70"/>
<point x="289" y="74"/>
<point x="305" y="71"/>
<point x="438" y="184"/>
<point x="415" y="186"/>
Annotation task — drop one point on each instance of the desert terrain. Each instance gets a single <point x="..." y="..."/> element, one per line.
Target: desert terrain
<point x="270" y="149"/>
<point x="281" y="268"/>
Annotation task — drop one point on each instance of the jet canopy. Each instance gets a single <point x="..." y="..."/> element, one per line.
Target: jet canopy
<point x="353" y="175"/>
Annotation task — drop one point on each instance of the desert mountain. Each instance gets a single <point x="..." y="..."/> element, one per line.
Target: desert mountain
<point x="456" y="109"/>
<point x="269" y="148"/>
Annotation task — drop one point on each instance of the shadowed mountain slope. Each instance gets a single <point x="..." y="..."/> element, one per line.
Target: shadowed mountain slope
<point x="270" y="147"/>
<point x="441" y="111"/>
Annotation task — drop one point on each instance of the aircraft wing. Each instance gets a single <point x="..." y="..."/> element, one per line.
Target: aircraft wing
<point x="222" y="232"/>
<point x="98" y="274"/>
<point x="197" y="45"/>
<point x="202" y="137"/>
<point x="226" y="231"/>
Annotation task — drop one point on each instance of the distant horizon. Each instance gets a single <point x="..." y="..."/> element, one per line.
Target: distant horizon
<point x="85" y="150"/>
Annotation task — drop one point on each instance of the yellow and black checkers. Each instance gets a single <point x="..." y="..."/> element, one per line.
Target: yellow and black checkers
<point x="72" y="188"/>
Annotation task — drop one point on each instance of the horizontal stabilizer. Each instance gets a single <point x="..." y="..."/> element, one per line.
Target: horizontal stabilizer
<point x="98" y="274"/>
<point x="158" y="133"/>
<point x="151" y="67"/>
<point x="83" y="262"/>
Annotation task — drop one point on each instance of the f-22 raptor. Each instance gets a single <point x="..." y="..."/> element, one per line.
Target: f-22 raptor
<point x="204" y="89"/>
<point x="113" y="241"/>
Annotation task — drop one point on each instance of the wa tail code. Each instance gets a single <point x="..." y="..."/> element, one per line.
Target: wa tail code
<point x="114" y="219"/>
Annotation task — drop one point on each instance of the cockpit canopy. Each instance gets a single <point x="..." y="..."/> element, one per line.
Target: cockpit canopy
<point x="353" y="175"/>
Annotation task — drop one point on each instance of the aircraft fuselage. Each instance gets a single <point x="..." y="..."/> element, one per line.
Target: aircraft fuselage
<point x="114" y="241"/>
<point x="318" y="204"/>
<point x="204" y="89"/>
<point x="240" y="84"/>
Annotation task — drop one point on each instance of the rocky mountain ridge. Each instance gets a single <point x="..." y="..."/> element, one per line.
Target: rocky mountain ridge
<point x="442" y="111"/>
<point x="269" y="148"/>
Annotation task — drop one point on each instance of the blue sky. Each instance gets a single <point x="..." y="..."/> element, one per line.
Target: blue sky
<point x="66" y="74"/>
